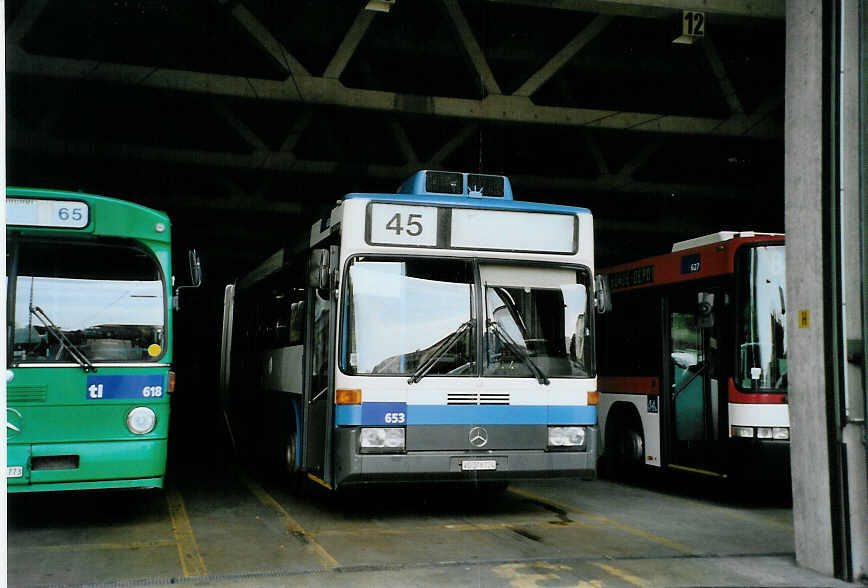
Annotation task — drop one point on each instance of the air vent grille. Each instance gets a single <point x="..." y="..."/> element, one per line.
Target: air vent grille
<point x="477" y="398"/>
<point x="48" y="463"/>
<point x="16" y="394"/>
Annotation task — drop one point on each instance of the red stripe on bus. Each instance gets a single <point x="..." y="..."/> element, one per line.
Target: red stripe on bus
<point x="647" y="386"/>
<point x="737" y="397"/>
<point x="715" y="259"/>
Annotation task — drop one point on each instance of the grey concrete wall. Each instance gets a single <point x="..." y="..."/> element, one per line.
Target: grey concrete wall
<point x="853" y="303"/>
<point x="803" y="221"/>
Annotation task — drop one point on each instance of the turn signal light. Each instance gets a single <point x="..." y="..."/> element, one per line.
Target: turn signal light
<point x="593" y="398"/>
<point x="171" y="382"/>
<point x="348" y="396"/>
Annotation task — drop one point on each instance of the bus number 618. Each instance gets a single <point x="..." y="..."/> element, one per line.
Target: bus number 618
<point x="152" y="391"/>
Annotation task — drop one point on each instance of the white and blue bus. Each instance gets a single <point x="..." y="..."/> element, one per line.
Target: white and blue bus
<point x="441" y="333"/>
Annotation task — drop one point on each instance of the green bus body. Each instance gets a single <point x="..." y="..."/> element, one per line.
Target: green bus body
<point x="67" y="424"/>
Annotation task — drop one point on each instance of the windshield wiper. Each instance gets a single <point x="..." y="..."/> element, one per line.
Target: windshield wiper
<point x="73" y="350"/>
<point x="438" y="352"/>
<point x="504" y="337"/>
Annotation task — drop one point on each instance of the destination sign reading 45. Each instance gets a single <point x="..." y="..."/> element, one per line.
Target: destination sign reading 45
<point x="471" y="228"/>
<point x="393" y="224"/>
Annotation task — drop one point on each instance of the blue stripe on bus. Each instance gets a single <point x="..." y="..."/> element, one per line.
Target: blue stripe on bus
<point x="101" y="387"/>
<point x="467" y="202"/>
<point x="425" y="414"/>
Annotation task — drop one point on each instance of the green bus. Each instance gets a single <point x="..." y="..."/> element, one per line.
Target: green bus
<point x="89" y="341"/>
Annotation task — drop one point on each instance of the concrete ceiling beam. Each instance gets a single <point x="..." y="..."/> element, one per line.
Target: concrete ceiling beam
<point x="330" y="92"/>
<point x="263" y="37"/>
<point x="471" y="46"/>
<point x="554" y="65"/>
<point x="287" y="162"/>
<point x="726" y="87"/>
<point x="770" y="9"/>
<point x="350" y="43"/>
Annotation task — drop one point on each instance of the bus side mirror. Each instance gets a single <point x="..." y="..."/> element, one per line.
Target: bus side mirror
<point x="602" y="294"/>
<point x="195" y="277"/>
<point x="318" y="270"/>
<point x="705" y="310"/>
<point x="195" y="268"/>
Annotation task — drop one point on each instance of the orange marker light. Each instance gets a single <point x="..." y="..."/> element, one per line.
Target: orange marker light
<point x="345" y="396"/>
<point x="593" y="398"/>
<point x="171" y="382"/>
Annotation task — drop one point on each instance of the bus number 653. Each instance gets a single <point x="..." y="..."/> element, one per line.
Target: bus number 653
<point x="395" y="418"/>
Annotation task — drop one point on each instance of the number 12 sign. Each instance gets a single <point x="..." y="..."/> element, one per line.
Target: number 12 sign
<point x="394" y="224"/>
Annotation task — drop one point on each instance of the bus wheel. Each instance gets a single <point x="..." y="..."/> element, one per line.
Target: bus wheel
<point x="290" y="448"/>
<point x="625" y="446"/>
<point x="629" y="452"/>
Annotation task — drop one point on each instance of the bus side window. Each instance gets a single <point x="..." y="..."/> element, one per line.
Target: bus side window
<point x="637" y="353"/>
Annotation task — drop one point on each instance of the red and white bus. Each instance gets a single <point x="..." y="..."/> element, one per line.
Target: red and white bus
<point x="693" y="359"/>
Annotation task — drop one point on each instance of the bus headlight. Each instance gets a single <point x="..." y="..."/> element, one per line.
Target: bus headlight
<point x="382" y="438"/>
<point x="141" y="420"/>
<point x="561" y="437"/>
<point x="763" y="432"/>
<point x="744" y="432"/>
<point x="781" y="433"/>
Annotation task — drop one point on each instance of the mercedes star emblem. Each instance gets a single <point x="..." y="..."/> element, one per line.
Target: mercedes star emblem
<point x="478" y="437"/>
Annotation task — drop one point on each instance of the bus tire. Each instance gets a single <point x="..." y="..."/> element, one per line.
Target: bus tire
<point x="290" y="451"/>
<point x="625" y="446"/>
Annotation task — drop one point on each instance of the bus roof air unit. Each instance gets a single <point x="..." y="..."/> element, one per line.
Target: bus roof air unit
<point x="442" y="183"/>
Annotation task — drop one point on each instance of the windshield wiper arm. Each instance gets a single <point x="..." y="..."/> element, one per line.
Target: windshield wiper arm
<point x="501" y="334"/>
<point x="438" y="352"/>
<point x="74" y="351"/>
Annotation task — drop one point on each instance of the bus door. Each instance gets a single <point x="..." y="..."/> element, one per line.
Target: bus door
<point x="693" y="355"/>
<point x="320" y="365"/>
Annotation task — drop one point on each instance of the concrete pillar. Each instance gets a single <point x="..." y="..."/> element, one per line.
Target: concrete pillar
<point x="824" y="286"/>
<point x="853" y="303"/>
<point x="803" y="161"/>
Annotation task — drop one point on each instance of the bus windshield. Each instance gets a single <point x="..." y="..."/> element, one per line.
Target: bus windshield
<point x="417" y="316"/>
<point x="400" y="312"/>
<point x="762" y="337"/>
<point x="102" y="300"/>
<point x="547" y="329"/>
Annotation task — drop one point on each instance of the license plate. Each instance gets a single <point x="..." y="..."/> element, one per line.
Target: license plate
<point x="14" y="471"/>
<point x="479" y="464"/>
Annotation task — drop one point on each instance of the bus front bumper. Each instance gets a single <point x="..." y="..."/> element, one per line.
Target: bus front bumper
<point x="759" y="459"/>
<point x="84" y="466"/>
<point x="492" y="465"/>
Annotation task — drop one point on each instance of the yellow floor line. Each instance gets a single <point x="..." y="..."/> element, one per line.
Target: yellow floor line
<point x="738" y="516"/>
<point x="453" y="528"/>
<point x="192" y="563"/>
<point x="291" y="524"/>
<point x="619" y="573"/>
<point x="697" y="471"/>
<point x="92" y="547"/>
<point x="626" y="528"/>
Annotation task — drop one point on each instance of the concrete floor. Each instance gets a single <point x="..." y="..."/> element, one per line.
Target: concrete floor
<point x="222" y="527"/>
